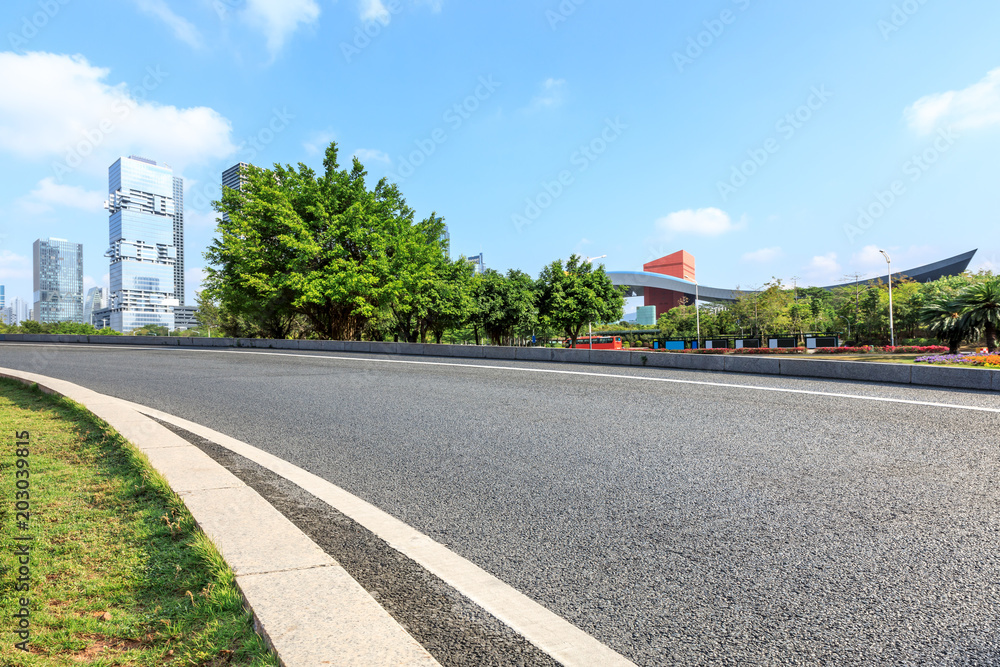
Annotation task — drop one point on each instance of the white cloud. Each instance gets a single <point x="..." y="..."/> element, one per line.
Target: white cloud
<point x="764" y="255"/>
<point x="76" y="119"/>
<point x="704" y="222"/>
<point x="193" y="277"/>
<point x="183" y="29"/>
<point x="14" y="267"/>
<point x="48" y="194"/>
<point x="990" y="264"/>
<point x="369" y="155"/>
<point x="971" y="108"/>
<point x="374" y="10"/>
<point x="552" y="95"/>
<point x="278" y="19"/>
<point x="317" y="142"/>
<point x="824" y="269"/>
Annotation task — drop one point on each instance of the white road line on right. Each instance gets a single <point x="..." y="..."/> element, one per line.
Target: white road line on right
<point x="642" y="378"/>
<point x="563" y="641"/>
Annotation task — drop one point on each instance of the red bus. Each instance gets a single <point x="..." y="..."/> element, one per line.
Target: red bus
<point x="600" y="342"/>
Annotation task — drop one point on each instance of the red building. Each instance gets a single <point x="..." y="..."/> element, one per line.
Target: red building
<point x="677" y="265"/>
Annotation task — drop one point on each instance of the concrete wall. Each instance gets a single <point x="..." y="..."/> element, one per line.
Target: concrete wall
<point x="863" y="371"/>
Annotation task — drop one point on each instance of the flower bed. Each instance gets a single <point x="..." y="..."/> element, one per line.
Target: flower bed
<point x="966" y="359"/>
<point x="888" y="349"/>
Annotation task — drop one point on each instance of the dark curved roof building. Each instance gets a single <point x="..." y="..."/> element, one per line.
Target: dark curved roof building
<point x="665" y="282"/>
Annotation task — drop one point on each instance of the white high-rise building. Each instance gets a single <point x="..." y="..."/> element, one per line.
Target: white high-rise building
<point x="143" y="215"/>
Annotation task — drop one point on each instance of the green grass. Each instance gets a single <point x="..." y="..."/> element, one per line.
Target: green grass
<point x="120" y="575"/>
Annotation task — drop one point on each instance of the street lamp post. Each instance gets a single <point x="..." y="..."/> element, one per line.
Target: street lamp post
<point x="892" y="329"/>
<point x="697" y="313"/>
<point x="590" y="331"/>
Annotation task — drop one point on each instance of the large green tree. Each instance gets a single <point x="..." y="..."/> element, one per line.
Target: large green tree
<point x="504" y="306"/>
<point x="324" y="250"/>
<point x="575" y="294"/>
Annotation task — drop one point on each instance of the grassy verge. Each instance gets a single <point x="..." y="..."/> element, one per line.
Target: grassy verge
<point x="118" y="572"/>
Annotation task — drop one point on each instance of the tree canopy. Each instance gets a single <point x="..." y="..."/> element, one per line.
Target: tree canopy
<point x="573" y="295"/>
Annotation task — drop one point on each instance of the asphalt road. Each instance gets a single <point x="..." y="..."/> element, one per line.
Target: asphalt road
<point x="678" y="523"/>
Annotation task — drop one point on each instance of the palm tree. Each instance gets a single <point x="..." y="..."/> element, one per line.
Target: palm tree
<point x="980" y="305"/>
<point x="944" y="318"/>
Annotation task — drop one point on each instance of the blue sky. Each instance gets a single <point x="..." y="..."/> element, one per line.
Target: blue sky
<point x="783" y="139"/>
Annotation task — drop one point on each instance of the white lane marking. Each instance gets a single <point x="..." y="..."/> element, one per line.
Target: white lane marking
<point x="551" y="633"/>
<point x="555" y="371"/>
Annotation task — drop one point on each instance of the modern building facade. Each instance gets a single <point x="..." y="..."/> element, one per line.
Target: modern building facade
<point x="478" y="264"/>
<point x="3" y="298"/>
<point x="645" y="315"/>
<point x="101" y="318"/>
<point x="96" y="300"/>
<point x="235" y="177"/>
<point x="677" y="265"/>
<point x="184" y="318"/>
<point x="142" y="221"/>
<point x="179" y="239"/>
<point x="58" y="281"/>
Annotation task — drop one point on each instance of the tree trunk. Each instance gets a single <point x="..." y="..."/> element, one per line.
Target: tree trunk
<point x="991" y="337"/>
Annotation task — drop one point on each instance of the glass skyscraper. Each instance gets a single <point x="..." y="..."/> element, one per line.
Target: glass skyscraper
<point x="142" y="235"/>
<point x="235" y="177"/>
<point x="95" y="300"/>
<point x="58" y="281"/>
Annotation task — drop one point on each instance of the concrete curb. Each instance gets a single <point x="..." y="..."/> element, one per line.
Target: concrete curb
<point x="861" y="371"/>
<point x="306" y="606"/>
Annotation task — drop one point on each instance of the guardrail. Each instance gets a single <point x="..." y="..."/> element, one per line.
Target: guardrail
<point x="864" y="371"/>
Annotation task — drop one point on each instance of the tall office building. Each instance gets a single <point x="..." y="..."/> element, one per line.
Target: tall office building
<point x="3" y="303"/>
<point x="96" y="300"/>
<point x="142" y="220"/>
<point x="235" y="178"/>
<point x="58" y="281"/>
<point x="478" y="265"/>
<point x="179" y="239"/>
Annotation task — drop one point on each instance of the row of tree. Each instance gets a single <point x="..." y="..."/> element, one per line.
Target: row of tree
<point x="953" y="309"/>
<point x="322" y="256"/>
